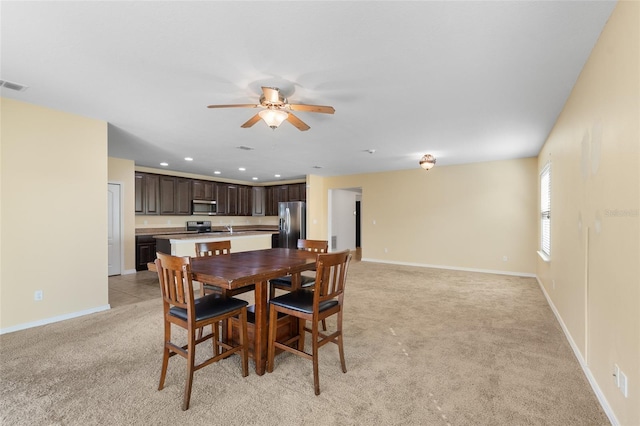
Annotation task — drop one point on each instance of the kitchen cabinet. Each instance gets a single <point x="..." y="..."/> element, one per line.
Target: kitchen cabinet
<point x="221" y="198"/>
<point x="175" y="195"/>
<point x="172" y="195"/>
<point x="232" y="200"/>
<point x="145" y="251"/>
<point x="259" y="200"/>
<point x="183" y="196"/>
<point x="203" y="190"/>
<point x="147" y="193"/>
<point x="297" y="192"/>
<point x="245" y="200"/>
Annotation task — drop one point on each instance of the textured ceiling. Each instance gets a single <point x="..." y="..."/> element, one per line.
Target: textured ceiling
<point x="464" y="81"/>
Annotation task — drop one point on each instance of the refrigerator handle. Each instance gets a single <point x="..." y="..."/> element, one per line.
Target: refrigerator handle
<point x="288" y="220"/>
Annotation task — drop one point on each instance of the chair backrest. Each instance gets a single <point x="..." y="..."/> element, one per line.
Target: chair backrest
<point x="213" y="248"/>
<point x="331" y="276"/>
<point x="174" y="274"/>
<point x="316" y="246"/>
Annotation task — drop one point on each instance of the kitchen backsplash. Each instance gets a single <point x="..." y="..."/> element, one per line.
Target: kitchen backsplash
<point x="181" y="221"/>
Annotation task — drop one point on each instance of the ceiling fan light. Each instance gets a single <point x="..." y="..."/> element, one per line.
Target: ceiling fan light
<point x="273" y="117"/>
<point x="427" y="161"/>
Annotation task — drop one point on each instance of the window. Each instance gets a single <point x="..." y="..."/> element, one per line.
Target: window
<point x="545" y="210"/>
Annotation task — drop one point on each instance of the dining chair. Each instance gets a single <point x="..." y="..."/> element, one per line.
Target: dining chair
<point x="183" y="310"/>
<point x="313" y="305"/>
<point x="284" y="283"/>
<point x="218" y="248"/>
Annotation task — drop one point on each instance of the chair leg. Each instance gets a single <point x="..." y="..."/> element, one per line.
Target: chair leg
<point x="271" y="348"/>
<point x="314" y="357"/>
<point x="324" y="325"/>
<point x="340" y="343"/>
<point x="191" y="360"/>
<point x="301" y="325"/>
<point x="165" y="355"/>
<point x="272" y="291"/>
<point x="216" y="337"/>
<point x="244" y="341"/>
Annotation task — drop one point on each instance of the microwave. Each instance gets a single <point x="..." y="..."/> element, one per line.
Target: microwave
<point x="203" y="207"/>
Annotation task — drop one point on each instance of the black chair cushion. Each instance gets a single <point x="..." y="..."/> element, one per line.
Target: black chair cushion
<point x="301" y="300"/>
<point x="210" y="306"/>
<point x="286" y="281"/>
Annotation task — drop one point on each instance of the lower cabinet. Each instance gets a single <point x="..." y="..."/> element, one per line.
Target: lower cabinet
<point x="145" y="251"/>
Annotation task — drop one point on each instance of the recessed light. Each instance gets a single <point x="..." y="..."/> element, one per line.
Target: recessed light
<point x="242" y="169"/>
<point x="217" y="172"/>
<point x="164" y="164"/>
<point x="188" y="159"/>
<point x="254" y="178"/>
<point x="317" y="167"/>
<point x="277" y="175"/>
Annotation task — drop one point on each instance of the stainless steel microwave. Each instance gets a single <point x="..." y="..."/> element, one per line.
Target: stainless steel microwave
<point x="203" y="207"/>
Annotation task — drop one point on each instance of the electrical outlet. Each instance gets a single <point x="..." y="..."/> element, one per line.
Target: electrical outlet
<point x="616" y="375"/>
<point x="37" y="295"/>
<point x="386" y="250"/>
<point x="622" y="383"/>
<point x="505" y="258"/>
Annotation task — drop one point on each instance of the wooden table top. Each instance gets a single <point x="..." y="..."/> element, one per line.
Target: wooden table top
<point x="248" y="267"/>
<point x="244" y="268"/>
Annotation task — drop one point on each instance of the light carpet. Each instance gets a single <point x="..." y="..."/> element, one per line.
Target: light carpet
<point x="423" y="347"/>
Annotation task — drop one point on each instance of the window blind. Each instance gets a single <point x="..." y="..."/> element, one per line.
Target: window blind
<point x="545" y="209"/>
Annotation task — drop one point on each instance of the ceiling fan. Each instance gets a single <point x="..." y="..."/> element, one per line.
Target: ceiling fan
<point x="276" y="108"/>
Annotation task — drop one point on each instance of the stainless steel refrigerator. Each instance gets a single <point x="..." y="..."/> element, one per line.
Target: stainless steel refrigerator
<point x="293" y="223"/>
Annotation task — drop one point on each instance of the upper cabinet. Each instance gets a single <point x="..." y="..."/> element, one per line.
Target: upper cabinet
<point x="172" y="195"/>
<point x="259" y="200"/>
<point x="175" y="195"/>
<point x="147" y="194"/>
<point x="203" y="190"/>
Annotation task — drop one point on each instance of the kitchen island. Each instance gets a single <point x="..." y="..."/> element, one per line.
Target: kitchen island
<point x="184" y="244"/>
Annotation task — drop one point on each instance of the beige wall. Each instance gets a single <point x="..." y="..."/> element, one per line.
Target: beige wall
<point x="593" y="277"/>
<point x="122" y="171"/>
<point x="54" y="214"/>
<point x="465" y="217"/>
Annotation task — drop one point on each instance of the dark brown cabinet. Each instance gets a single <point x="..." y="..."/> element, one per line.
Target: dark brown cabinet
<point x="203" y="190"/>
<point x="221" y="198"/>
<point x="147" y="194"/>
<point x="297" y="192"/>
<point x="183" y="196"/>
<point x="167" y="195"/>
<point x="172" y="195"/>
<point x="145" y="251"/>
<point x="245" y="200"/>
<point x="232" y="200"/>
<point x="175" y="195"/>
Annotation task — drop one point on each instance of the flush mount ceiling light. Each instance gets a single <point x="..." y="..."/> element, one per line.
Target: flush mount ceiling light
<point x="273" y="117"/>
<point x="427" y="161"/>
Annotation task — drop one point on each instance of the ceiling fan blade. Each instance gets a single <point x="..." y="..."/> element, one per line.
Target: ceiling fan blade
<point x="234" y="106"/>
<point x="312" y="108"/>
<point x="302" y="126"/>
<point x="271" y="94"/>
<point x="253" y="120"/>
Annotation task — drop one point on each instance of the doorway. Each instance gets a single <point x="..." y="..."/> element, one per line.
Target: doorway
<point x="344" y="231"/>
<point x="114" y="233"/>
<point x="357" y="224"/>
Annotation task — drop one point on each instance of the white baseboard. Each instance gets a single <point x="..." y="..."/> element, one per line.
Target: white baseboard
<point x="129" y="272"/>
<point x="585" y="368"/>
<point x="453" y="268"/>
<point x="51" y="320"/>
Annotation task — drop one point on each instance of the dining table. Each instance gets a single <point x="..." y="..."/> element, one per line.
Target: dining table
<point x="240" y="269"/>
